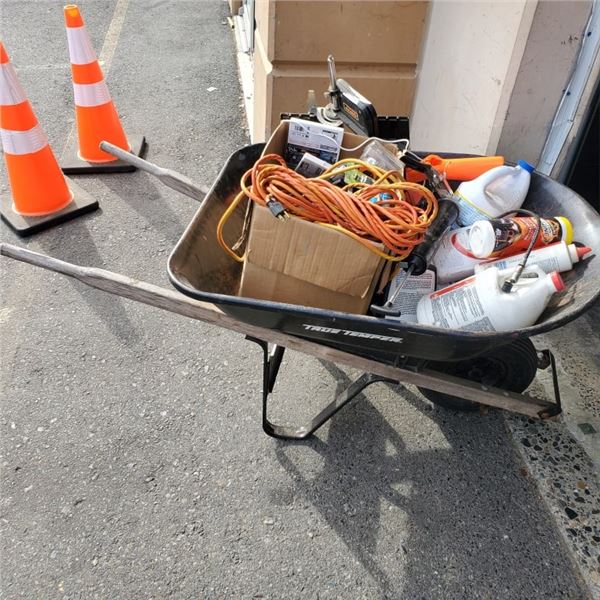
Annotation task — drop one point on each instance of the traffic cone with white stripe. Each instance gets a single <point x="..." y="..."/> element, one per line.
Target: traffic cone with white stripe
<point x="41" y="196"/>
<point x="95" y="113"/>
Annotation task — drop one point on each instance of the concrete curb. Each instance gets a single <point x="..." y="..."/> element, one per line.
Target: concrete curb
<point x="567" y="482"/>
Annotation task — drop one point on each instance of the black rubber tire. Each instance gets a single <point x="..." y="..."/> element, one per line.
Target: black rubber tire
<point x="511" y="367"/>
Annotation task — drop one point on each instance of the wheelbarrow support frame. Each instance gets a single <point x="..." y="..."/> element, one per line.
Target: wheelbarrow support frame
<point x="272" y="362"/>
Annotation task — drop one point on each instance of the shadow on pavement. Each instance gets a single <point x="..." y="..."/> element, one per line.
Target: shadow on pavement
<point x="147" y="199"/>
<point x="79" y="247"/>
<point x="464" y="506"/>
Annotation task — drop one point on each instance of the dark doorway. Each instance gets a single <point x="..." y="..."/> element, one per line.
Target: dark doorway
<point x="583" y="175"/>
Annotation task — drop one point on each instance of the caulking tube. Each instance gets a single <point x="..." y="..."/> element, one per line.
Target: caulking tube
<point x="479" y="304"/>
<point x="499" y="238"/>
<point x="453" y="259"/>
<point x="555" y="257"/>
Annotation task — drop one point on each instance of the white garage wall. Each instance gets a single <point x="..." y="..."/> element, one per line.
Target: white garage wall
<point x="548" y="63"/>
<point x="471" y="55"/>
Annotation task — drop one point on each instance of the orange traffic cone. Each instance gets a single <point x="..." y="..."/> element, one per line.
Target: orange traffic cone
<point x="95" y="113"/>
<point x="40" y="194"/>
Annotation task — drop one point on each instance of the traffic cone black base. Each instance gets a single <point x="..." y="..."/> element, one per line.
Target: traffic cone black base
<point x="71" y="164"/>
<point x="23" y="226"/>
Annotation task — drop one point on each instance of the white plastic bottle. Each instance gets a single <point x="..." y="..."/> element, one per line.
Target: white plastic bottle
<point x="453" y="259"/>
<point x="495" y="192"/>
<point x="479" y="304"/>
<point x="555" y="257"/>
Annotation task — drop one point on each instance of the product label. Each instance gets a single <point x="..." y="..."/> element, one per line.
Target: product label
<point x="468" y="213"/>
<point x="459" y="307"/>
<point x="482" y="325"/>
<point x="322" y="141"/>
<point x="514" y="235"/>
<point x="414" y="289"/>
<point x="454" y="286"/>
<point x="350" y="333"/>
<point x="311" y="166"/>
<point x="548" y="264"/>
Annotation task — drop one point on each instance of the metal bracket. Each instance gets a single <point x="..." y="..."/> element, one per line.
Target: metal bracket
<point x="547" y="360"/>
<point x="271" y="363"/>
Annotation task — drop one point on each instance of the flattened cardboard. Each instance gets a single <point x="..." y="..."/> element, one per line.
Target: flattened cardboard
<point x="309" y="252"/>
<point x="263" y="284"/>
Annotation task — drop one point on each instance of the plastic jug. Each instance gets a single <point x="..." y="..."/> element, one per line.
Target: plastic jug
<point x="453" y="259"/>
<point x="479" y="304"/>
<point x="496" y="191"/>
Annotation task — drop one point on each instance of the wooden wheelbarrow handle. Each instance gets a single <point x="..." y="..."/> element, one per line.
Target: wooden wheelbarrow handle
<point x="170" y="178"/>
<point x="153" y="295"/>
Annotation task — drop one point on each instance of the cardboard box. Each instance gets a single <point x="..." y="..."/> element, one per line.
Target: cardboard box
<point x="299" y="262"/>
<point x="376" y="45"/>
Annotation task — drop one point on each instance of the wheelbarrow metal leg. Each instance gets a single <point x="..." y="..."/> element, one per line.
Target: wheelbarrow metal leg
<point x="271" y="364"/>
<point x="547" y="360"/>
<point x="275" y="358"/>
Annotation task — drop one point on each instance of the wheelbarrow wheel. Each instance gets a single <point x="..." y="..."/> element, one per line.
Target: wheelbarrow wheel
<point x="511" y="367"/>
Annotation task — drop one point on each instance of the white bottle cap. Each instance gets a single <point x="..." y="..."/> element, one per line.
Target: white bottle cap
<point x="482" y="239"/>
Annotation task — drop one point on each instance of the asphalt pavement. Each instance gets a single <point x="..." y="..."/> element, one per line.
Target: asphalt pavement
<point x="133" y="460"/>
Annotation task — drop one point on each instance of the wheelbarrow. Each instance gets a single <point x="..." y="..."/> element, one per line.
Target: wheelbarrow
<point x="455" y="369"/>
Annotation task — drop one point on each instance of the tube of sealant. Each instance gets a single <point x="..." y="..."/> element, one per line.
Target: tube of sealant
<point x="555" y="257"/>
<point x="503" y="237"/>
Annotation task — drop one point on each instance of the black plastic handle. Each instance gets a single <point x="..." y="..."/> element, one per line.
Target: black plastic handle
<point x="383" y="311"/>
<point x="421" y="256"/>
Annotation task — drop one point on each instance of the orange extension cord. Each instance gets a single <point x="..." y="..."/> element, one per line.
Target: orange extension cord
<point x="398" y="222"/>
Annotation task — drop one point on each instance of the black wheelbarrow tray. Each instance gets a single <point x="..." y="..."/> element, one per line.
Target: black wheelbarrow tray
<point x="452" y="368"/>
